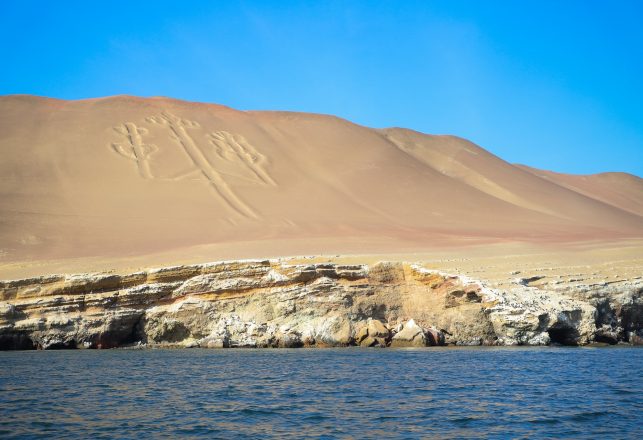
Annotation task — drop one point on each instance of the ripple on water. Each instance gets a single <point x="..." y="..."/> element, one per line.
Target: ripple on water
<point x="446" y="393"/>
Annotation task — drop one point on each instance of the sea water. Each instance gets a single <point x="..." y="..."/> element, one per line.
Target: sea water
<point x="592" y="393"/>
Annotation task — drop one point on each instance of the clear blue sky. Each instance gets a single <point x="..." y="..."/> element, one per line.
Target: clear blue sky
<point x="552" y="84"/>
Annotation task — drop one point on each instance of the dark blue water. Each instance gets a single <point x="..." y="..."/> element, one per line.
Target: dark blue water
<point x="345" y="393"/>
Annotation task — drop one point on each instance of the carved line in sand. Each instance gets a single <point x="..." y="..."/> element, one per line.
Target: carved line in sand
<point x="227" y="148"/>
<point x="135" y="149"/>
<point x="234" y="148"/>
<point x="178" y="128"/>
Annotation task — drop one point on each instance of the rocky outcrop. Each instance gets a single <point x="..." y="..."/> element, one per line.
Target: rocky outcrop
<point x="271" y="303"/>
<point x="410" y="334"/>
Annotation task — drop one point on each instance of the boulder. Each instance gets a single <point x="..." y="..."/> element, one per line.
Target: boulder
<point x="411" y="335"/>
<point x="377" y="329"/>
<point x="373" y="332"/>
<point x="607" y="335"/>
<point x="371" y="341"/>
<point x="361" y="334"/>
<point x="289" y="340"/>
<point x="434" y="337"/>
<point x="342" y="334"/>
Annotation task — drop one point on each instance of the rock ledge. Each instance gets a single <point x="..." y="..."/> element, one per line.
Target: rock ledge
<point x="271" y="303"/>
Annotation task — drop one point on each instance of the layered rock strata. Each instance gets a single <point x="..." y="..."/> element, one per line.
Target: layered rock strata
<point x="272" y="303"/>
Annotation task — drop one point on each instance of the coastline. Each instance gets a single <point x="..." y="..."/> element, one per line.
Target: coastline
<point x="296" y="302"/>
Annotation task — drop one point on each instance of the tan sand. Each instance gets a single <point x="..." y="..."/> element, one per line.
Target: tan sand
<point x="126" y="182"/>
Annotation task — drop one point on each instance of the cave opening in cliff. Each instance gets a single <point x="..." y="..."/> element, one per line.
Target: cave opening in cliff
<point x="563" y="336"/>
<point x="16" y="342"/>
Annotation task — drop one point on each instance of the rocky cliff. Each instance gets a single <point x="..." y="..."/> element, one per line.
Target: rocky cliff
<point x="273" y="303"/>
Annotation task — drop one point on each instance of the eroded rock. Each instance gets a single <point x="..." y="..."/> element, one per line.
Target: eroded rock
<point x="266" y="303"/>
<point x="410" y="335"/>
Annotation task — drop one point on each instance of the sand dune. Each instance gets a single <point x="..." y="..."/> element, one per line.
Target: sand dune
<point x="621" y="190"/>
<point x="125" y="176"/>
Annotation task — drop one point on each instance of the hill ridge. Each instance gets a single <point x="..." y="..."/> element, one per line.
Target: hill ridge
<point x="129" y="176"/>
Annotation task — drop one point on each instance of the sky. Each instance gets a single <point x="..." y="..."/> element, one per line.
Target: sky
<point x="556" y="85"/>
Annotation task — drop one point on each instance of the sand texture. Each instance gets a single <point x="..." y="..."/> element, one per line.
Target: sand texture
<point x="118" y="178"/>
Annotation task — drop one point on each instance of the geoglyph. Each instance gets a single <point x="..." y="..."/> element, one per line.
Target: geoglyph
<point x="223" y="158"/>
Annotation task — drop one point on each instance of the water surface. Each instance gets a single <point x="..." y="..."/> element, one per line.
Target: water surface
<point x="334" y="393"/>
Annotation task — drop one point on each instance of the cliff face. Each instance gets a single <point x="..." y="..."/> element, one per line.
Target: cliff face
<point x="273" y="303"/>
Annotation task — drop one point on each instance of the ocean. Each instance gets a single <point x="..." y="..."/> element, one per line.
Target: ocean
<point x="444" y="393"/>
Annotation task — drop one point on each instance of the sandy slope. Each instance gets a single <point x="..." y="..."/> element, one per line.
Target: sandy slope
<point x="621" y="190"/>
<point x="123" y="177"/>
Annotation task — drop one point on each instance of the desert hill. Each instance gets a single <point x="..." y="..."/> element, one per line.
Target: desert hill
<point x="621" y="190"/>
<point x="124" y="176"/>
